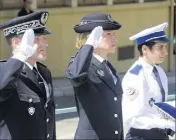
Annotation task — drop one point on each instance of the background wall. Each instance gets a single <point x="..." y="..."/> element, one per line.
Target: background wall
<point x="133" y="17"/>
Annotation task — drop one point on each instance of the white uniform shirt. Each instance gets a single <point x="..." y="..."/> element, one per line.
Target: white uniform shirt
<point x="139" y="86"/>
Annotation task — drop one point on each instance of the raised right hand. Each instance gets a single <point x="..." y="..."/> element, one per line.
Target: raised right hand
<point x="95" y="37"/>
<point x="27" y="48"/>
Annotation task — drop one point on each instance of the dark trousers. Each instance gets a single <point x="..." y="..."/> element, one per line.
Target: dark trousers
<point x="143" y="134"/>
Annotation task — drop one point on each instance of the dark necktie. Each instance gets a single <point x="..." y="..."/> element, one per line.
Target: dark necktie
<point x="39" y="79"/>
<point x="108" y="67"/>
<point x="155" y="71"/>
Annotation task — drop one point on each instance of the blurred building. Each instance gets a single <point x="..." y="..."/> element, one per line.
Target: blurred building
<point x="134" y="15"/>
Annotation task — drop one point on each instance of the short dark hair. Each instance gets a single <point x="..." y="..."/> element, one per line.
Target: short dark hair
<point x="148" y="44"/>
<point x="9" y="39"/>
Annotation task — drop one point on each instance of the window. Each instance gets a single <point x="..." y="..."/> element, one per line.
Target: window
<point x="8" y="4"/>
<point x="153" y="0"/>
<point x="124" y="1"/>
<point x="91" y="2"/>
<point x="54" y="3"/>
<point x="126" y="52"/>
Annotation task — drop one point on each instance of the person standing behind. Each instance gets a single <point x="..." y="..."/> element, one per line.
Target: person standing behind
<point x="26" y="9"/>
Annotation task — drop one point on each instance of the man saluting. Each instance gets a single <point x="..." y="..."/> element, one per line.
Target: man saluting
<point x="26" y="95"/>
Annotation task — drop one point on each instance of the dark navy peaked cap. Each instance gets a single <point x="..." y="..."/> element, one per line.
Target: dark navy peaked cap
<point x="90" y="21"/>
<point x="19" y="25"/>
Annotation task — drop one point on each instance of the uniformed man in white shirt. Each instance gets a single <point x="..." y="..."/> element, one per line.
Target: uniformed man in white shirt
<point x="145" y="82"/>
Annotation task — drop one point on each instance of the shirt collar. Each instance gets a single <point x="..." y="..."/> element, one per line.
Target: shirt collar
<point x="147" y="67"/>
<point x="99" y="58"/>
<point x="30" y="66"/>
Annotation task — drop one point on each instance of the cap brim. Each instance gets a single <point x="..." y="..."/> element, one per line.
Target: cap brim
<point x="42" y="32"/>
<point x="162" y="39"/>
<point x="90" y="26"/>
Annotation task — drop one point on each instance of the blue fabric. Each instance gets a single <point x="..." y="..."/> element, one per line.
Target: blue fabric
<point x="167" y="108"/>
<point x="144" y="39"/>
<point x="136" y="69"/>
<point x="157" y="76"/>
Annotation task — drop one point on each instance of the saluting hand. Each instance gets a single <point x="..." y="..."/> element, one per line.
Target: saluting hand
<point x="95" y="37"/>
<point x="27" y="48"/>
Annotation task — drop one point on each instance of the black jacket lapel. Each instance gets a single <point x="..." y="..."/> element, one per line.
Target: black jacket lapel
<point x="28" y="75"/>
<point x="46" y="75"/>
<point x="103" y="74"/>
<point x="118" y="83"/>
<point x="43" y="72"/>
<point x="114" y="72"/>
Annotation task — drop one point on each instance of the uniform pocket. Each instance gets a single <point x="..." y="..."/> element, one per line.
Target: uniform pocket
<point x="29" y="98"/>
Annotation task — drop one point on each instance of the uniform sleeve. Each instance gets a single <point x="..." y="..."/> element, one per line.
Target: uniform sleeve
<point x="54" y="116"/>
<point x="77" y="71"/>
<point x="9" y="71"/>
<point x="155" y="122"/>
<point x="131" y="101"/>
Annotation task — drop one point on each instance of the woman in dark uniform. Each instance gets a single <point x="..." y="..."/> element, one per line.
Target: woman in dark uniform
<point x="96" y="84"/>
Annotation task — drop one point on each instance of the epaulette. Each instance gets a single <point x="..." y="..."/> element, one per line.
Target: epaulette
<point x="136" y="69"/>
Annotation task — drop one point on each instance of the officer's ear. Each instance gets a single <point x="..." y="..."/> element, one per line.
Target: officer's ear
<point x="144" y="49"/>
<point x="15" y="41"/>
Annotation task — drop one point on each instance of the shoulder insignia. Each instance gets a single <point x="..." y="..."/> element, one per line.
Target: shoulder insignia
<point x="136" y="69"/>
<point x="132" y="93"/>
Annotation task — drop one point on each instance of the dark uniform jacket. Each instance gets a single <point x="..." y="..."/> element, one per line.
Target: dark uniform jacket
<point x="98" y="98"/>
<point x="25" y="112"/>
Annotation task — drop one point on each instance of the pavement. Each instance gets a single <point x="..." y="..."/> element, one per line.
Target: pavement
<point x="66" y="128"/>
<point x="66" y="123"/>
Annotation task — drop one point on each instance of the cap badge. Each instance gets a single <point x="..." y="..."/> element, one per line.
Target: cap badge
<point x="110" y="18"/>
<point x="44" y="18"/>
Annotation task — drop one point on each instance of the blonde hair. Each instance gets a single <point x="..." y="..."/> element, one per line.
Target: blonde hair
<point x="81" y="39"/>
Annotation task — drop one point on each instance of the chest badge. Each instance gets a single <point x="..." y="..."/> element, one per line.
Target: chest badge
<point x="31" y="110"/>
<point x="100" y="72"/>
<point x="151" y="102"/>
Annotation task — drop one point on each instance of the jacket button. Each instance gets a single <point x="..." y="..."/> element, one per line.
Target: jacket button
<point x="47" y="120"/>
<point x="30" y="100"/>
<point x="48" y="136"/>
<point x="116" y="132"/>
<point x="115" y="98"/>
<point x="46" y="105"/>
<point x="115" y="115"/>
